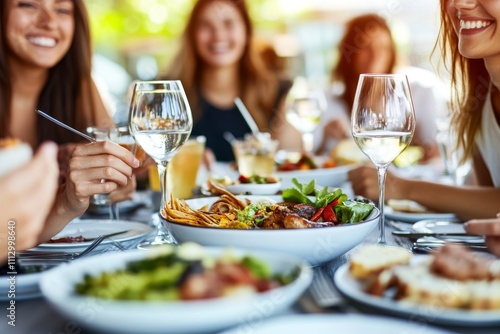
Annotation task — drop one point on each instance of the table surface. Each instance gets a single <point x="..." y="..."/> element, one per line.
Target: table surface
<point x="37" y="316"/>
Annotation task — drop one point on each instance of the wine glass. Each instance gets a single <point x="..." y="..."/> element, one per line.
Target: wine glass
<point x="160" y="120"/>
<point x="382" y="124"/>
<point x="305" y="106"/>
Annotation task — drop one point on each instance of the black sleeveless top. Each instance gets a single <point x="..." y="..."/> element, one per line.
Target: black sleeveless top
<point x="215" y="121"/>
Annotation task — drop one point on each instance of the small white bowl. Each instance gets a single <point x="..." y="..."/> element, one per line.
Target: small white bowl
<point x="254" y="188"/>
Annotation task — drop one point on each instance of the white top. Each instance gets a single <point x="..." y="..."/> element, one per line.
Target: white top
<point x="487" y="140"/>
<point x="430" y="99"/>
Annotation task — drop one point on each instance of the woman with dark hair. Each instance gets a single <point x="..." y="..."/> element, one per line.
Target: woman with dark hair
<point x="45" y="64"/>
<point x="367" y="46"/>
<point x="470" y="47"/>
<point x="217" y="62"/>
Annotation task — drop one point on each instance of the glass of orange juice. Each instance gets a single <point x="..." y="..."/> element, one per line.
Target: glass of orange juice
<point x="182" y="170"/>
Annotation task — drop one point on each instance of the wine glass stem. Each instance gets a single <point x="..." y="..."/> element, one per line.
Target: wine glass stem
<point x="307" y="141"/>
<point x="162" y="172"/>
<point x="381" y="171"/>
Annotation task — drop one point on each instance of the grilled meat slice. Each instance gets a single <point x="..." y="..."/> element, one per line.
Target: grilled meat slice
<point x="302" y="210"/>
<point x="275" y="219"/>
<point x="294" y="221"/>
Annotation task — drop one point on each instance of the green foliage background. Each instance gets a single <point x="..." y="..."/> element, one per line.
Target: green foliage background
<point x="121" y="27"/>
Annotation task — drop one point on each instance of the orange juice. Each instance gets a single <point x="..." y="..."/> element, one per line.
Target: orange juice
<point x="183" y="168"/>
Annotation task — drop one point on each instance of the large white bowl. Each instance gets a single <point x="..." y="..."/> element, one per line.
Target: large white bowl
<point x="315" y="245"/>
<point x="210" y="315"/>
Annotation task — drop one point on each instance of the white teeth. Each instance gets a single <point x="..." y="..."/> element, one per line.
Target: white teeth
<point x="474" y="24"/>
<point x="220" y="47"/>
<point x="43" y="41"/>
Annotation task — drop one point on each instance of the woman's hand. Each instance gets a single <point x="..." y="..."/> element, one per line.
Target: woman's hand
<point x="336" y="129"/>
<point x="91" y="163"/>
<point x="364" y="180"/>
<point x="490" y="228"/>
<point x="26" y="198"/>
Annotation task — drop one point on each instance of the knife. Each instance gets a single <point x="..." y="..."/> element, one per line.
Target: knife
<point x="412" y="234"/>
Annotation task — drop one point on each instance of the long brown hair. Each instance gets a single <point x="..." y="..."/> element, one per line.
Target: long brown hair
<point x="469" y="84"/>
<point x="68" y="92"/>
<point x="357" y="31"/>
<point x="258" y="87"/>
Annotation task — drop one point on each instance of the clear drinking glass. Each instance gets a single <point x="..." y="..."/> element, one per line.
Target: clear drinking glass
<point x="160" y="121"/>
<point x="305" y="106"/>
<point x="382" y="124"/>
<point x="103" y="134"/>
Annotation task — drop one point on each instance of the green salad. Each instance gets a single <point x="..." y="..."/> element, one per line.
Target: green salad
<point x="183" y="273"/>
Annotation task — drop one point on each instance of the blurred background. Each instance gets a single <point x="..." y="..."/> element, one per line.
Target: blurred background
<point x="136" y="39"/>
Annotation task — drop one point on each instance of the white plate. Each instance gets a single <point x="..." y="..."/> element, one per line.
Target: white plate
<point x="332" y="177"/>
<point x="254" y="188"/>
<point x="335" y="323"/>
<point x="445" y="226"/>
<point x="92" y="228"/>
<point x="315" y="245"/>
<point x="353" y="289"/>
<point x="26" y="286"/>
<point x="210" y="315"/>
<point x="408" y="217"/>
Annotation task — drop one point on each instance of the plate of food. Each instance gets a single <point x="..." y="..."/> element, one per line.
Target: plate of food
<point x="411" y="212"/>
<point x="391" y="280"/>
<point x="252" y="185"/>
<point x="317" y="228"/>
<point x="79" y="234"/>
<point x="306" y="168"/>
<point x="186" y="289"/>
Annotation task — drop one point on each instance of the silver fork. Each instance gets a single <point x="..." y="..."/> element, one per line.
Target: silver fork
<point x="39" y="259"/>
<point x="323" y="292"/>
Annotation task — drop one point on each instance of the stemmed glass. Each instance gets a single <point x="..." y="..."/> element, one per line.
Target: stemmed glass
<point x="160" y="121"/>
<point x="382" y="124"/>
<point x="305" y="107"/>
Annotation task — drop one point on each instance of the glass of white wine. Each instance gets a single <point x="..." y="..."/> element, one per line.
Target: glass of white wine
<point x="160" y="120"/>
<point x="382" y="124"/>
<point x="305" y="107"/>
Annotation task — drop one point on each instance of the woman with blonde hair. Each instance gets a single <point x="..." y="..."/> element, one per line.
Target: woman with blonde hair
<point x="217" y="62"/>
<point x="470" y="46"/>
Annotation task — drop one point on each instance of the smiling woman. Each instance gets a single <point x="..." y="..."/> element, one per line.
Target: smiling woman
<point x="45" y="63"/>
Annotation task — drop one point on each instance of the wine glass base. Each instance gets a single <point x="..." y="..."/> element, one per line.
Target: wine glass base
<point x="160" y="239"/>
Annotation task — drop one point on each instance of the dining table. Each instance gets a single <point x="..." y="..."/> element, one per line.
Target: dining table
<point x="37" y="316"/>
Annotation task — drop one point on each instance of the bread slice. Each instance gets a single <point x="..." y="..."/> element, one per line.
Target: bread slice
<point x="484" y="295"/>
<point x="417" y="285"/>
<point x="371" y="260"/>
<point x="347" y="152"/>
<point x="404" y="205"/>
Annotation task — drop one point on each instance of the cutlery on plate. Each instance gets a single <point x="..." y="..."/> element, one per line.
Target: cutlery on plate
<point x="67" y="127"/>
<point x="413" y="234"/>
<point x="87" y="239"/>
